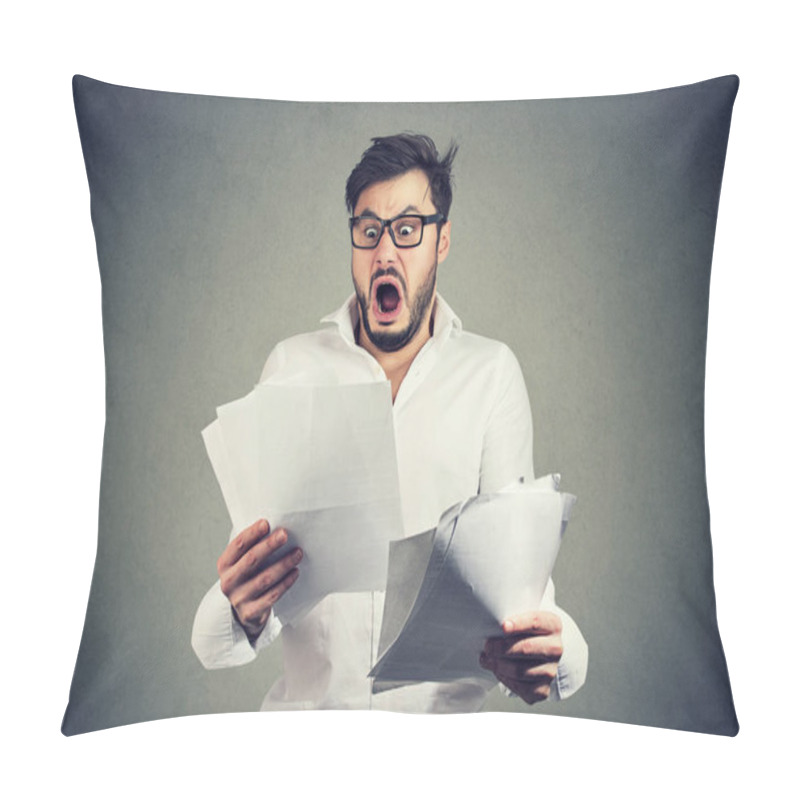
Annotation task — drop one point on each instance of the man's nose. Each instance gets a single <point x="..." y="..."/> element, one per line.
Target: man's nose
<point x="386" y="251"/>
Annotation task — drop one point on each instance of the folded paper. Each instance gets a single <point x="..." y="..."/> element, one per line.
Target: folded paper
<point x="450" y="588"/>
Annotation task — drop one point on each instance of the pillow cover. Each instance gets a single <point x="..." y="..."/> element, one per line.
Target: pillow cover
<point x="582" y="235"/>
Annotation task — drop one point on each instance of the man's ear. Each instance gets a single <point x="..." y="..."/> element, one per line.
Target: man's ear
<point x="443" y="247"/>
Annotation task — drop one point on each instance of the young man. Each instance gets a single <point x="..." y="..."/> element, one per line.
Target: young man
<point x="462" y="426"/>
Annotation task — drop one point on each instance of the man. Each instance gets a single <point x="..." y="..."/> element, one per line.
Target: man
<point x="462" y="425"/>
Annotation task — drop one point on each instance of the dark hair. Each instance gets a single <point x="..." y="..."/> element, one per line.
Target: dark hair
<point x="390" y="156"/>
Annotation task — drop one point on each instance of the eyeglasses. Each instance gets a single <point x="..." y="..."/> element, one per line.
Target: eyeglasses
<point x="405" y="230"/>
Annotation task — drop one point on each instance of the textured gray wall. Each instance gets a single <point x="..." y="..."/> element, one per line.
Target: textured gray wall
<point x="582" y="237"/>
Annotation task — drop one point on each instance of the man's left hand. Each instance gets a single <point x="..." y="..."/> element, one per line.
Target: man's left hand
<point x="525" y="658"/>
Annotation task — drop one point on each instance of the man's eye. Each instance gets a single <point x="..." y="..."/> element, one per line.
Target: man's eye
<point x="370" y="231"/>
<point x="406" y="228"/>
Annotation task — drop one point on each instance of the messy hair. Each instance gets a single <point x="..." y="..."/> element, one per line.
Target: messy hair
<point x="390" y="156"/>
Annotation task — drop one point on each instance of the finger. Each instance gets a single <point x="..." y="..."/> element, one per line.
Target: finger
<point x="529" y="692"/>
<point x="254" y="613"/>
<point x="241" y="543"/>
<point x="539" y="648"/>
<point x="533" y="622"/>
<point x="521" y="671"/>
<point x="253" y="560"/>
<point x="260" y="583"/>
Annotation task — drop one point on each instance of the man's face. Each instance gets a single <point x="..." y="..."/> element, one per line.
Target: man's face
<point x="395" y="286"/>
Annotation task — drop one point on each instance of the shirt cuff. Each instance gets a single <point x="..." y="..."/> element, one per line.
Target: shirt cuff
<point x="270" y="633"/>
<point x="219" y="640"/>
<point x="574" y="662"/>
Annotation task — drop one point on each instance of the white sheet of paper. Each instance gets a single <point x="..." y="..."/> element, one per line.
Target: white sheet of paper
<point x="325" y="446"/>
<point x="488" y="558"/>
<point x="341" y="553"/>
<point x="218" y="455"/>
<point x="319" y="461"/>
<point x="237" y="423"/>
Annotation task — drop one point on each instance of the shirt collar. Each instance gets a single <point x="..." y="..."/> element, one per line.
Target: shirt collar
<point x="445" y="320"/>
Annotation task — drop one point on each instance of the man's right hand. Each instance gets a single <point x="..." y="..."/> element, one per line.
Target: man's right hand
<point x="250" y="585"/>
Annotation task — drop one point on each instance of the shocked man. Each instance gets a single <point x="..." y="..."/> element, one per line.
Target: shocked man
<point x="462" y="426"/>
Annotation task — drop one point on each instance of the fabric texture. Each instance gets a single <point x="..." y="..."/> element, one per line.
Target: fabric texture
<point x="582" y="237"/>
<point x="462" y="425"/>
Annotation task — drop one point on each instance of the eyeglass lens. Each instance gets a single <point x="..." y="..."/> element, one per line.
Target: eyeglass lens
<point x="405" y="231"/>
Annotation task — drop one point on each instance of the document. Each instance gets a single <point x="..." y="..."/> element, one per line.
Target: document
<point x="319" y="461"/>
<point x="450" y="588"/>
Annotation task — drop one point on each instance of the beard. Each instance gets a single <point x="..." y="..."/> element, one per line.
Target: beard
<point x="418" y="305"/>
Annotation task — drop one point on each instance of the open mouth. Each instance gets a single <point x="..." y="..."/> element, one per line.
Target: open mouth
<point x="387" y="300"/>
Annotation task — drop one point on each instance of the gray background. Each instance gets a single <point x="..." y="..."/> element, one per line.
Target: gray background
<point x="582" y="237"/>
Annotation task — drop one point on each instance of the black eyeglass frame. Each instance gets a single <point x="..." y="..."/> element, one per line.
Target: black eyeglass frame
<point x="387" y="223"/>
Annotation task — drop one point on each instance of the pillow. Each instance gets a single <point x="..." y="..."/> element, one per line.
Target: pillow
<point x="582" y="236"/>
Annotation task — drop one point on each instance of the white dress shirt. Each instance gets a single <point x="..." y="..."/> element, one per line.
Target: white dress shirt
<point x="462" y="425"/>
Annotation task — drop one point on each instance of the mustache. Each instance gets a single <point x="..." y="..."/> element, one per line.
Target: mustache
<point x="390" y="271"/>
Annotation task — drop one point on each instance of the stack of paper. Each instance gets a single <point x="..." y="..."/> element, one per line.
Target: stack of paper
<point x="450" y="588"/>
<point x="320" y="462"/>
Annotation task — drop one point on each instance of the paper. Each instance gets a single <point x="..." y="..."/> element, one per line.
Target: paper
<point x="320" y="462"/>
<point x="450" y="588"/>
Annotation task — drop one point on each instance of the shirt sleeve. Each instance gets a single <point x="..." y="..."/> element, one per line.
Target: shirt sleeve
<point x="508" y="456"/>
<point x="218" y="639"/>
<point x="508" y="440"/>
<point x="575" y="660"/>
<point x="275" y="362"/>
